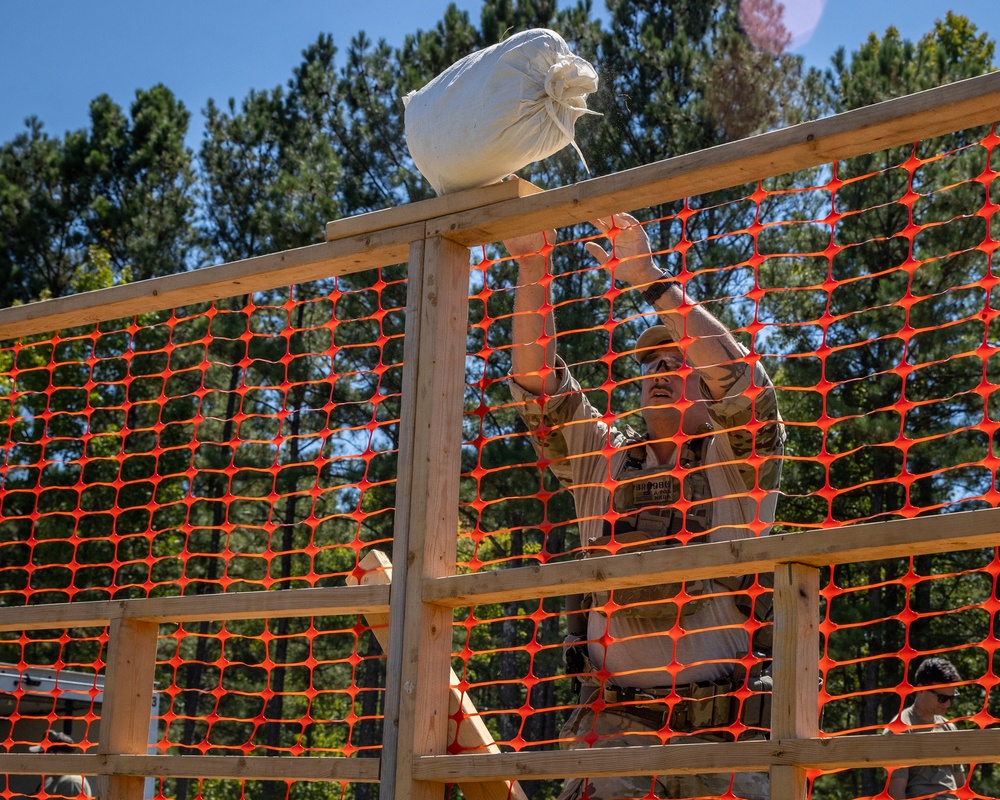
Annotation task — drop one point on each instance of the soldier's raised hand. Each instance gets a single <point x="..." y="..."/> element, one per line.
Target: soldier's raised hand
<point x="530" y="244"/>
<point x="631" y="247"/>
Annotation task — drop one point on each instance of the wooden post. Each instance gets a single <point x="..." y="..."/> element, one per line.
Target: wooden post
<point x="426" y="522"/>
<point x="128" y="698"/>
<point x="472" y="734"/>
<point x="795" y="702"/>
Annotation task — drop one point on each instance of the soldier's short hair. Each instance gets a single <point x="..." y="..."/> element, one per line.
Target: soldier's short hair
<point x="935" y="671"/>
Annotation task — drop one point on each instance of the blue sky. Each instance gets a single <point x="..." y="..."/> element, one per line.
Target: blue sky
<point x="57" y="55"/>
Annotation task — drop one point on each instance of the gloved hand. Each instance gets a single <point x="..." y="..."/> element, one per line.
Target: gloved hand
<point x="631" y="247"/>
<point x="574" y="654"/>
<point x="530" y="244"/>
<point x="575" y="658"/>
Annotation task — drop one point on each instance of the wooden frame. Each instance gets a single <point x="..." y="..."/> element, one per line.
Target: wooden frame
<point x="433" y="236"/>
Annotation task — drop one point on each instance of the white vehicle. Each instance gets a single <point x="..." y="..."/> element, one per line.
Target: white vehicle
<point x="29" y="697"/>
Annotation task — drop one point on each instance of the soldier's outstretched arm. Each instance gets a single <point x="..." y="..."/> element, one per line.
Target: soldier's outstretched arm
<point x="533" y="356"/>
<point x="710" y="346"/>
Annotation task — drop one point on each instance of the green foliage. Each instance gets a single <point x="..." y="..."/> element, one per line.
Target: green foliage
<point x="268" y="168"/>
<point x="893" y="66"/>
<point x="44" y="195"/>
<point x="141" y="210"/>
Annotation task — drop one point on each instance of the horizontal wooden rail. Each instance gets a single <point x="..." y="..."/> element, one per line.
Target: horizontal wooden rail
<point x="832" y="753"/>
<point x="325" y="601"/>
<point x="356" y="245"/>
<point x="473" y="218"/>
<point x="236" y="278"/>
<point x="935" y="112"/>
<point x="839" y="752"/>
<point x="871" y="541"/>
<point x="442" y="206"/>
<point x="237" y="767"/>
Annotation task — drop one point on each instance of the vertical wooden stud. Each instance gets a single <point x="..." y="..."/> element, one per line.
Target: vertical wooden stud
<point x="795" y="703"/>
<point x="128" y="699"/>
<point x="472" y="735"/>
<point x="426" y="521"/>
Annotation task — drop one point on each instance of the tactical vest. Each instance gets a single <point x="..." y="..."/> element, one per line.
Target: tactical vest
<point x="646" y="498"/>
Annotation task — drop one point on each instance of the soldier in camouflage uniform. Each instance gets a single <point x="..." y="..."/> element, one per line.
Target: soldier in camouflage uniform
<point x="674" y="655"/>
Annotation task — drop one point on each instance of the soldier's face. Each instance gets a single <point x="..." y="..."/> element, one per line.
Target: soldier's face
<point x="662" y="381"/>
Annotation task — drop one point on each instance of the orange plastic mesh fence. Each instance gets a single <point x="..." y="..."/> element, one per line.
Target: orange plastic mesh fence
<point x="250" y="444"/>
<point x="240" y="446"/>
<point x="864" y="291"/>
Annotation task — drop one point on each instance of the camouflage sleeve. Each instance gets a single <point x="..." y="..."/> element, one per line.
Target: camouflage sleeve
<point x="564" y="427"/>
<point x="751" y="401"/>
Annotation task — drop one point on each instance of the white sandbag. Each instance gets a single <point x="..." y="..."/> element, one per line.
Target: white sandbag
<point x="497" y="110"/>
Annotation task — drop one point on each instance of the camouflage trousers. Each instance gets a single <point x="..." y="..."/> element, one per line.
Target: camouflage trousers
<point x="616" y="728"/>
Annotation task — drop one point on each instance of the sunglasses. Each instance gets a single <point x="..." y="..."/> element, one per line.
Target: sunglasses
<point x="661" y="364"/>
<point x="943" y="698"/>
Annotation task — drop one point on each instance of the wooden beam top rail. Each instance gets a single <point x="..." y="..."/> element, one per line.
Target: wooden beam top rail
<point x="840" y="752"/>
<point x="305" y="768"/>
<point x="323" y="601"/>
<point x="425" y="210"/>
<point x="903" y="120"/>
<point x="494" y="212"/>
<point x="233" y="279"/>
<point x="871" y="541"/>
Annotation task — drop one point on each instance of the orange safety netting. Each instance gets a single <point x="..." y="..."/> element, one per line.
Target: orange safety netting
<point x="250" y="444"/>
<point x="865" y="291"/>
<point x="244" y="445"/>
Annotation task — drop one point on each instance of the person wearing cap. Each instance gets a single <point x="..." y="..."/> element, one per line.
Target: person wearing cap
<point x="935" y="681"/>
<point x="705" y="469"/>
<point x="61" y="785"/>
